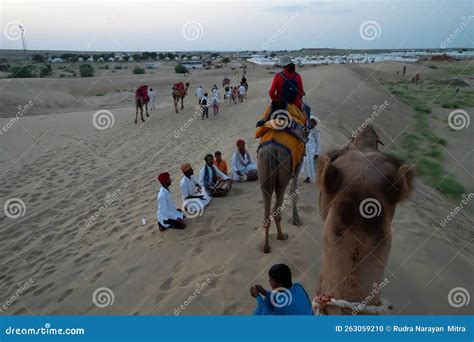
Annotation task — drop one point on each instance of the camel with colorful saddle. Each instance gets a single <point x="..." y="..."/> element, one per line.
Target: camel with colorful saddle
<point x="280" y="153"/>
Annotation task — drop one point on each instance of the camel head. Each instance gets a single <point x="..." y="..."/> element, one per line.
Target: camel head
<point x="367" y="138"/>
<point x="359" y="191"/>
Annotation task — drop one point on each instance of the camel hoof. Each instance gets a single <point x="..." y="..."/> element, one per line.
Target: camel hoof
<point x="148" y="115"/>
<point x="282" y="237"/>
<point x="266" y="249"/>
<point x="135" y="121"/>
<point x="143" y="120"/>
<point x="297" y="222"/>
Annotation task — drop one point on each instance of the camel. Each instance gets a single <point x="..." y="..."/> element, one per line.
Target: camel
<point x="274" y="173"/>
<point x="226" y="82"/>
<point x="141" y="99"/>
<point x="360" y="188"/>
<point x="179" y="92"/>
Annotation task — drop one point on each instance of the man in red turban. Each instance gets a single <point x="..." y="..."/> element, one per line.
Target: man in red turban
<point x="169" y="216"/>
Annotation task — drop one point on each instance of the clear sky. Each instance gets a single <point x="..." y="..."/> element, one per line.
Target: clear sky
<point x="235" y="25"/>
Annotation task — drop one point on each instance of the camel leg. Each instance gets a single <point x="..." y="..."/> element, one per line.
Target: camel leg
<point x="141" y="113"/>
<point x="182" y="103"/>
<point x="175" y="100"/>
<point x="280" y="193"/>
<point x="267" y="180"/>
<point x="136" y="114"/>
<point x="294" y="195"/>
<point x="146" y="107"/>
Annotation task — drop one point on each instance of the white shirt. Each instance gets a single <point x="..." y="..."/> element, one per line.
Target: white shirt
<point x="217" y="173"/>
<point x="151" y="94"/>
<point x="242" y="90"/>
<point x="166" y="207"/>
<point x="216" y="94"/>
<point x="314" y="141"/>
<point x="240" y="163"/>
<point x="188" y="187"/>
<point x="199" y="92"/>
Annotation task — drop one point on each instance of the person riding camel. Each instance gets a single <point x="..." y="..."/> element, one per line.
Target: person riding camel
<point x="287" y="85"/>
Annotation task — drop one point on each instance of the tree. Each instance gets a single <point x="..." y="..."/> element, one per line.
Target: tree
<point x="38" y="58"/>
<point x="46" y="70"/>
<point x="225" y="60"/>
<point x="21" y="72"/>
<point x="86" y="70"/>
<point x="138" y="71"/>
<point x="180" y="69"/>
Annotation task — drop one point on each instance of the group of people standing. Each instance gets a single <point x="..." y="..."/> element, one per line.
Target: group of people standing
<point x="231" y="95"/>
<point x="215" y="180"/>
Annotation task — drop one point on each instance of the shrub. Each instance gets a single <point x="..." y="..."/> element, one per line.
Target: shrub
<point x="138" y="71"/>
<point x="21" y="72"/>
<point x="46" y="70"/>
<point x="118" y="67"/>
<point x="180" y="69"/>
<point x="86" y="70"/>
<point x="433" y="67"/>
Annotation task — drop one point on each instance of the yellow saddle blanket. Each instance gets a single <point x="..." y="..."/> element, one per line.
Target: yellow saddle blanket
<point x="269" y="135"/>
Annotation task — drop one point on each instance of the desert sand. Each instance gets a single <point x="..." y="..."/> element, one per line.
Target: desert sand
<point x="65" y="170"/>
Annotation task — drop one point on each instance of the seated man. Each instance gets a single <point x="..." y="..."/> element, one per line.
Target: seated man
<point x="286" y="297"/>
<point x="221" y="164"/>
<point x="168" y="215"/>
<point x="194" y="199"/>
<point x="215" y="183"/>
<point x="243" y="166"/>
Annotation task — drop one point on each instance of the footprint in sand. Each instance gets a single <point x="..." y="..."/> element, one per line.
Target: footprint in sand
<point x="43" y="289"/>
<point x="65" y="295"/>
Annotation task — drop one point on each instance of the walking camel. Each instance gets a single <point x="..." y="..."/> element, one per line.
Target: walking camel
<point x="180" y="90"/>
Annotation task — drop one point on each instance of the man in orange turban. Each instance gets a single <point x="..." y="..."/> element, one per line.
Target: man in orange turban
<point x="194" y="199"/>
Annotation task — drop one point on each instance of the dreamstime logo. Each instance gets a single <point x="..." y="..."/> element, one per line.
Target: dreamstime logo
<point x="102" y="297"/>
<point x="197" y="114"/>
<point x="458" y="119"/>
<point x="192" y="30"/>
<point x="281" y="30"/>
<point x="458" y="297"/>
<point x="281" y="297"/>
<point x="13" y="30"/>
<point x="103" y="119"/>
<point x="376" y="289"/>
<point x="22" y="287"/>
<point x="465" y="200"/>
<point x="464" y="24"/>
<point x="287" y="200"/>
<point x="280" y="119"/>
<point x="200" y="287"/>
<point x="370" y="30"/>
<point x="377" y="110"/>
<point x="193" y="207"/>
<point x="14" y="208"/>
<point x="370" y="208"/>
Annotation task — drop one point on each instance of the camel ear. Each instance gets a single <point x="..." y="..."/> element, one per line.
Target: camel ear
<point x="329" y="177"/>
<point x="403" y="185"/>
<point x="380" y="143"/>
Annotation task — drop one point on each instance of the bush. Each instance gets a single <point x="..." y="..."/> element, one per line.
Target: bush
<point x="21" y="72"/>
<point x="180" y="69"/>
<point x="46" y="70"/>
<point x="118" y="67"/>
<point x="138" y="71"/>
<point x="86" y="70"/>
<point x="433" y="67"/>
<point x="225" y="60"/>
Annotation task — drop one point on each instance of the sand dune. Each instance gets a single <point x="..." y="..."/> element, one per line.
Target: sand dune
<point x="65" y="170"/>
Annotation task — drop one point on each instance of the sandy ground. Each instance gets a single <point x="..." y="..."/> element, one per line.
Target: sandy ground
<point x="65" y="170"/>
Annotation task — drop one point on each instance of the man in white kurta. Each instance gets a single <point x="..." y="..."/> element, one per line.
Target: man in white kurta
<point x="242" y="163"/>
<point x="152" y="96"/>
<point x="313" y="148"/>
<point x="194" y="199"/>
<point x="200" y="93"/>
<point x="168" y="215"/>
<point x="213" y="180"/>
